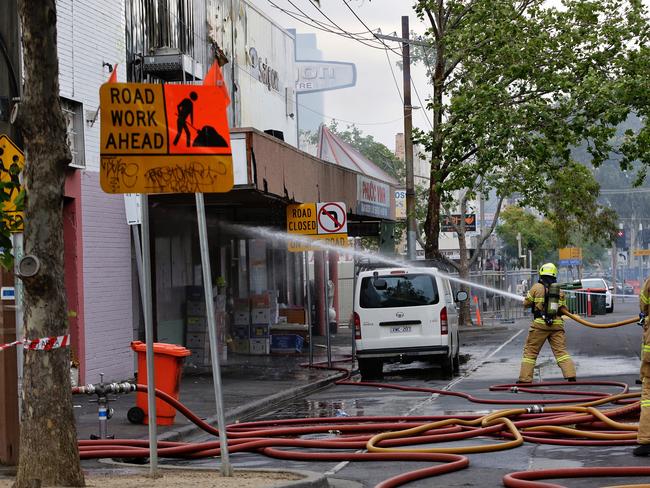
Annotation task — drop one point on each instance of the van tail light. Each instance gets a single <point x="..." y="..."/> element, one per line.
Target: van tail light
<point x="444" y="323"/>
<point x="357" y="325"/>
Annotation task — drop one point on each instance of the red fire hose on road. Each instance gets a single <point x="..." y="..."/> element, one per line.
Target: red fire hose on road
<point x="392" y="437"/>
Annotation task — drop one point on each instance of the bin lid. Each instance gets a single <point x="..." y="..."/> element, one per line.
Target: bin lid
<point x="162" y="348"/>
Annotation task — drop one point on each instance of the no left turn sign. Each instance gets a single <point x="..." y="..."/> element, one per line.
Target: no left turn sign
<point x="332" y="218"/>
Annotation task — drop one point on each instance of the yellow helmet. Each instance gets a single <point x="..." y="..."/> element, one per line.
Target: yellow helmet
<point x="548" y="269"/>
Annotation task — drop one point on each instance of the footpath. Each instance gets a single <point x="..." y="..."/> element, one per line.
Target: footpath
<point x="251" y="386"/>
<point x="255" y="385"/>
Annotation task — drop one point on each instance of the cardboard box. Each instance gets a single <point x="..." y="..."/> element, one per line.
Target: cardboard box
<point x="240" y="332"/>
<point x="195" y="309"/>
<point x="241" y="318"/>
<point x="241" y="305"/>
<point x="293" y="315"/>
<point x="261" y="316"/>
<point x="198" y="340"/>
<point x="200" y="357"/>
<point x="239" y="346"/>
<point x="286" y="343"/>
<point x="260" y="346"/>
<point x="259" y="331"/>
<point x="268" y="299"/>
<point x="196" y="324"/>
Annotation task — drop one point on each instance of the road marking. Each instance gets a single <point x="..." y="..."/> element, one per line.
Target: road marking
<point x="470" y="369"/>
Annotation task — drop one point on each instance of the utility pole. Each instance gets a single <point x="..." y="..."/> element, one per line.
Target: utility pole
<point x="411" y="226"/>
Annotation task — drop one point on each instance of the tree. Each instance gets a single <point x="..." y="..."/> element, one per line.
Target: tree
<point x="48" y="441"/>
<point x="534" y="234"/>
<point x="516" y="85"/>
<point x="371" y="149"/>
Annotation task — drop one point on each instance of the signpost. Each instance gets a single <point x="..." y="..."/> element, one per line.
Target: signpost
<point x="318" y="221"/>
<point x="570" y="256"/>
<point x="168" y="139"/>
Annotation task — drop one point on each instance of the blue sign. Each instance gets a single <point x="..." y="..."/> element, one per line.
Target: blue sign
<point x="570" y="262"/>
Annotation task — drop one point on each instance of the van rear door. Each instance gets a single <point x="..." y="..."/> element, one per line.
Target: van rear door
<point x="401" y="312"/>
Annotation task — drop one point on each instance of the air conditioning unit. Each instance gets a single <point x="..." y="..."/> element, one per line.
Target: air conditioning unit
<point x="171" y="65"/>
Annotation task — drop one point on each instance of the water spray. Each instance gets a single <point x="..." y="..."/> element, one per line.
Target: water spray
<point x="267" y="233"/>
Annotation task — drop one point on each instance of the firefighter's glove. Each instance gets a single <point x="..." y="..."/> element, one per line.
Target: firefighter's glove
<point x="641" y="319"/>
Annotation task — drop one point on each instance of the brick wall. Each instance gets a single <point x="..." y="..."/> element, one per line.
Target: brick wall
<point x="108" y="309"/>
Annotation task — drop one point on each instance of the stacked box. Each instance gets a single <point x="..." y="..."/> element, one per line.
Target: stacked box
<point x="239" y="332"/>
<point x="286" y="343"/>
<point x="196" y="324"/>
<point x="240" y="346"/>
<point x="260" y="346"/>
<point x="259" y="331"/>
<point x="293" y="315"/>
<point x="264" y="308"/>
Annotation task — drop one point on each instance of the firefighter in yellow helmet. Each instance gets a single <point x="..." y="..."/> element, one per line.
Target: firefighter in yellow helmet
<point x="545" y="328"/>
<point x="643" y="436"/>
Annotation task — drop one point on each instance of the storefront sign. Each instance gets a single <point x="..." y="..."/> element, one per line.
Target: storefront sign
<point x="373" y="198"/>
<point x="449" y="223"/>
<point x="265" y="74"/>
<point x="164" y="139"/>
<point x="316" y="76"/>
<point x="400" y="204"/>
<point x="324" y="220"/>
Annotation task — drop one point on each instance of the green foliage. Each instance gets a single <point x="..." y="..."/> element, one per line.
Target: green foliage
<point x="537" y="235"/>
<point x="373" y="150"/>
<point x="517" y="85"/>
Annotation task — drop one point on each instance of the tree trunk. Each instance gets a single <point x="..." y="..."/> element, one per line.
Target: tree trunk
<point x="48" y="440"/>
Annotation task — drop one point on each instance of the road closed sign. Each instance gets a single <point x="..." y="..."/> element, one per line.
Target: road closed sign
<point x="317" y="221"/>
<point x="164" y="139"/>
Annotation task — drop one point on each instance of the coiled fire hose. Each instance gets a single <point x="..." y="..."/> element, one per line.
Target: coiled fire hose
<point x="395" y="438"/>
<point x="564" y="311"/>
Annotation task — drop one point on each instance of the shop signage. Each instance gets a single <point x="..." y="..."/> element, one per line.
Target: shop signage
<point x="265" y="74"/>
<point x="570" y="253"/>
<point x="641" y="252"/>
<point x="450" y="221"/>
<point x="400" y="204"/>
<point x="324" y="220"/>
<point x="373" y="197"/>
<point x="164" y="139"/>
<point x="12" y="161"/>
<point x="316" y="76"/>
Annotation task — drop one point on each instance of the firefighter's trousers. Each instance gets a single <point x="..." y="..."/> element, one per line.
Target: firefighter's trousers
<point x="643" y="437"/>
<point x="538" y="334"/>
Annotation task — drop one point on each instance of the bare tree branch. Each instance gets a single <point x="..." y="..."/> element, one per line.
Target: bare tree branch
<point x="487" y="233"/>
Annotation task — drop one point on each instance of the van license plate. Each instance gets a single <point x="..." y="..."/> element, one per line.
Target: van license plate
<point x="400" y="330"/>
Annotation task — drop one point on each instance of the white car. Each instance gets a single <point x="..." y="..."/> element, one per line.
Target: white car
<point x="404" y="314"/>
<point x="600" y="284"/>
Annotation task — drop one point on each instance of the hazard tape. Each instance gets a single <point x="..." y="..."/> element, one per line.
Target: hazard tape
<point x="43" y="344"/>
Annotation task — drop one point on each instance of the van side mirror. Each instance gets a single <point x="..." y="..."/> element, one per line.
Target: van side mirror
<point x="380" y="284"/>
<point x="462" y="296"/>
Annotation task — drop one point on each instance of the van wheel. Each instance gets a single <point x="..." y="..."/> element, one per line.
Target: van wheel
<point x="456" y="361"/>
<point x="447" y="365"/>
<point x="370" y="369"/>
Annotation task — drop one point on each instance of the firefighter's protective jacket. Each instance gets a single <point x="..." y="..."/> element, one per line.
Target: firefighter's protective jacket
<point x="535" y="298"/>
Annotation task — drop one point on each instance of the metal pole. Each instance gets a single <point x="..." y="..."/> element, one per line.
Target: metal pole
<point x="411" y="226"/>
<point x="326" y="262"/>
<point x="148" y="332"/>
<point x="138" y="258"/>
<point x="18" y="300"/>
<point x="226" y="468"/>
<point x="308" y="315"/>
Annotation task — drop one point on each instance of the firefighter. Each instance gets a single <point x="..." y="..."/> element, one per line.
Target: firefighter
<point x="546" y="327"/>
<point x="643" y="436"/>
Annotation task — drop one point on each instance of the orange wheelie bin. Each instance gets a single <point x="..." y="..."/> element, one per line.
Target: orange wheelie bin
<point x="168" y="367"/>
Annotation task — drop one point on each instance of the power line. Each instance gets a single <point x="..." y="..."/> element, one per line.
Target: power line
<point x="368" y="28"/>
<point x="392" y="72"/>
<point x="422" y="106"/>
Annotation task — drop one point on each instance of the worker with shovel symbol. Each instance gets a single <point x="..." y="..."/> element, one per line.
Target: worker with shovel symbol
<point x="185" y="110"/>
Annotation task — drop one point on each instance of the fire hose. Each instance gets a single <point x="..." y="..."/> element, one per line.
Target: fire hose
<point x="564" y="311"/>
<point x="394" y="438"/>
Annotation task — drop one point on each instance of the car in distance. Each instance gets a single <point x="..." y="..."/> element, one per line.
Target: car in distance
<point x="600" y="284"/>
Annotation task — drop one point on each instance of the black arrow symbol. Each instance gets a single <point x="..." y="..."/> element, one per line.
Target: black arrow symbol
<point x="332" y="215"/>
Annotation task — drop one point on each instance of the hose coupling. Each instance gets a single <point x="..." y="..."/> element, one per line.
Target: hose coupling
<point x="89" y="389"/>
<point x="535" y="409"/>
<point x="514" y="389"/>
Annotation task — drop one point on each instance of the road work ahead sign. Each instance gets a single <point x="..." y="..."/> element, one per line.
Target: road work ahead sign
<point x="164" y="139"/>
<point x="319" y="221"/>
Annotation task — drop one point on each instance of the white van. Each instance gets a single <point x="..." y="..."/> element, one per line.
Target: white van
<point x="404" y="314"/>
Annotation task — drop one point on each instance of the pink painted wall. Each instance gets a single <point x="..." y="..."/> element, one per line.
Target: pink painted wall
<point x="107" y="293"/>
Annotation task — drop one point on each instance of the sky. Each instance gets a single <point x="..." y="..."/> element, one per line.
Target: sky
<point x="374" y="104"/>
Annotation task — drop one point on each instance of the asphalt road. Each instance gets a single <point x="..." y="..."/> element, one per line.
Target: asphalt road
<point x="491" y="356"/>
